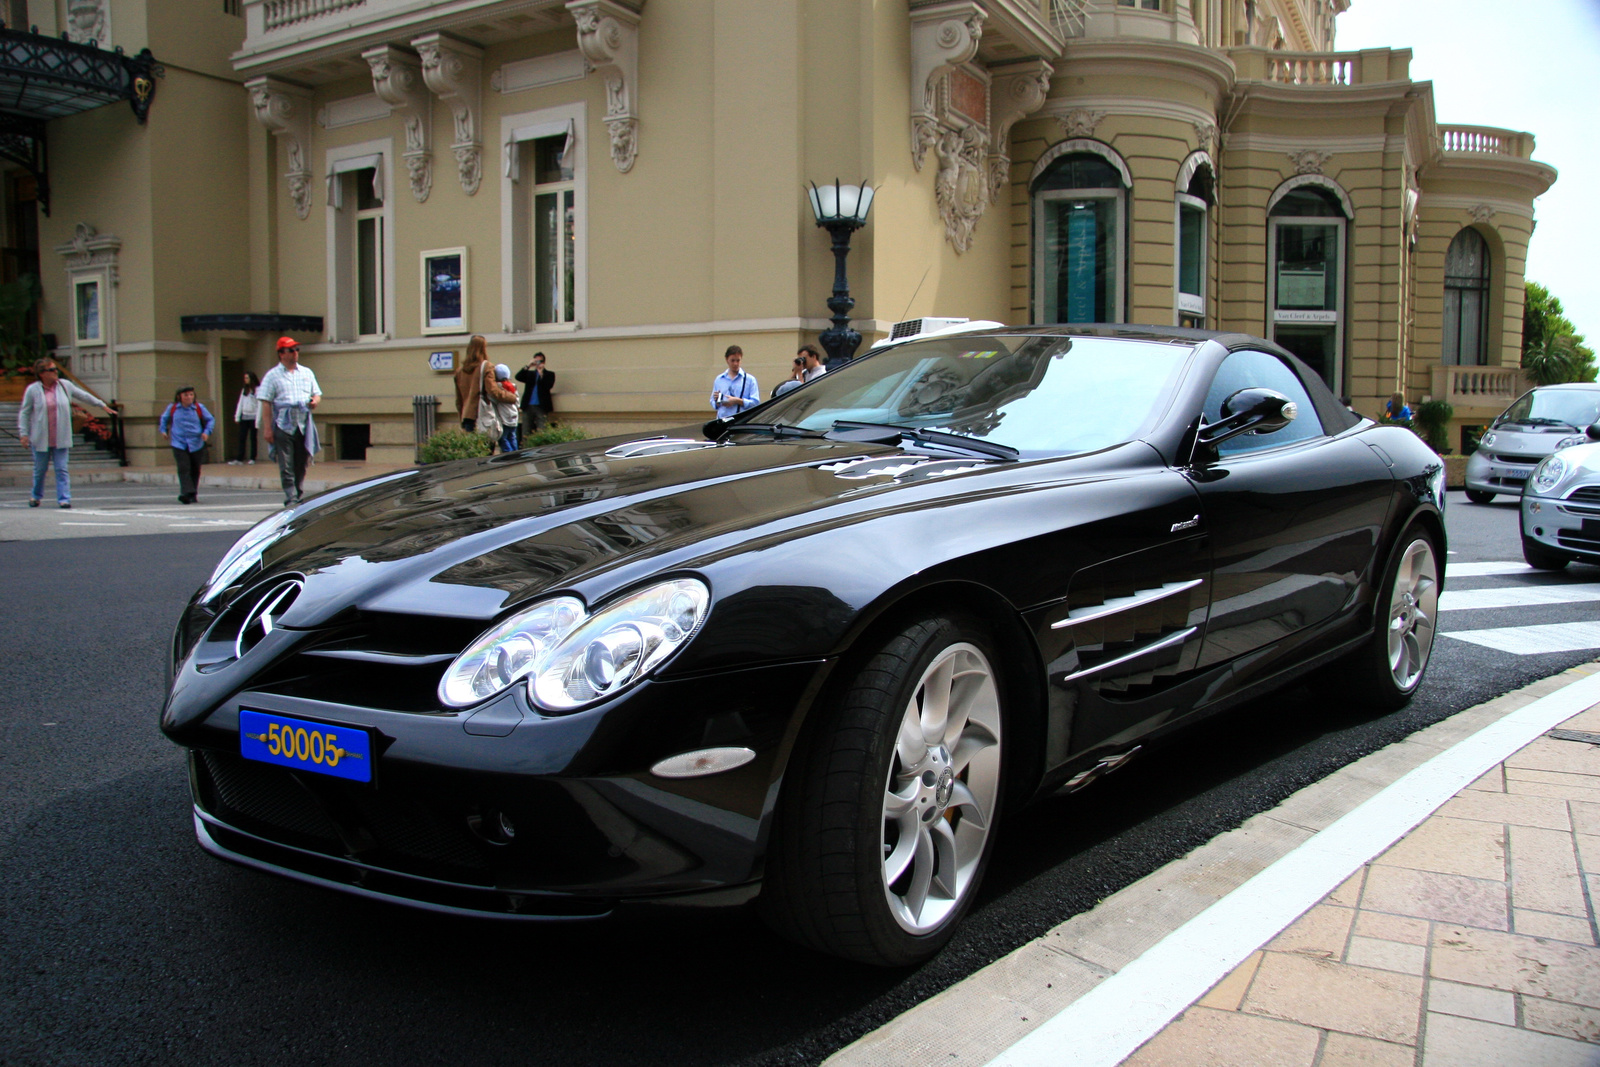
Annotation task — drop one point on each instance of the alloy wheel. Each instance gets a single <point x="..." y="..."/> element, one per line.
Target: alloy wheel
<point x="1413" y="604"/>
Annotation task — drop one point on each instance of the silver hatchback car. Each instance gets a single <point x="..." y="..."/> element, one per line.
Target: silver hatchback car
<point x="1538" y="423"/>
<point x="1561" y="507"/>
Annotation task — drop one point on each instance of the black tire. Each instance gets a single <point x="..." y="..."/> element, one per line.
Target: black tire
<point x="1478" y="496"/>
<point x="1543" y="558"/>
<point x="826" y="885"/>
<point x="1369" y="675"/>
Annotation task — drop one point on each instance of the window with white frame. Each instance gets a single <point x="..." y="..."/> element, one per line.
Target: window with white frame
<point x="360" y="252"/>
<point x="1078" y="250"/>
<point x="543" y="215"/>
<point x="1193" y="205"/>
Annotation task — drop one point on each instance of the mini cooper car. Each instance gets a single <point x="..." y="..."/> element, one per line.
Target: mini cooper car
<point x="1537" y="423"/>
<point x="811" y="656"/>
<point x="1561" y="506"/>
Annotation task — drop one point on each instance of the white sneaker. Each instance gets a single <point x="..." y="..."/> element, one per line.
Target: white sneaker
<point x="233" y="463"/>
<point x="250" y="462"/>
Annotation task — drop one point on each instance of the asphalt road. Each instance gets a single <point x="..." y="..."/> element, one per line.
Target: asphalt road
<point x="104" y="509"/>
<point x="120" y="942"/>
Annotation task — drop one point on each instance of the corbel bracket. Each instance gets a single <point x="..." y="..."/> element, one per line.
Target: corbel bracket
<point x="286" y="111"/>
<point x="1017" y="91"/>
<point x="943" y="36"/>
<point x="397" y="79"/>
<point x="608" y="36"/>
<point x="453" y="70"/>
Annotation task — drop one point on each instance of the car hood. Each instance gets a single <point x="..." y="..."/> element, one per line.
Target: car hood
<point x="468" y="539"/>
<point x="1529" y="442"/>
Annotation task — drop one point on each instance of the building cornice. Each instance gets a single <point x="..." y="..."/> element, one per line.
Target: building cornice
<point x="1189" y="64"/>
<point x="1532" y="177"/>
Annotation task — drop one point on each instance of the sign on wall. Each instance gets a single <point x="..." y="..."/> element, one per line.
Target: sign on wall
<point x="442" y="360"/>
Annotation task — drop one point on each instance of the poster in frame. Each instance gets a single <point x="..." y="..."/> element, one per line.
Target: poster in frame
<point x="444" y="291"/>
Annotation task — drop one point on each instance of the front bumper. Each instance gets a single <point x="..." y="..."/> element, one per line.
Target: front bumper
<point x="1488" y="473"/>
<point x="1562" y="525"/>
<point x="556" y="818"/>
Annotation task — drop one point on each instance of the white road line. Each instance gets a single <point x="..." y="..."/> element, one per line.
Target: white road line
<point x="1105" y="1025"/>
<point x="1518" y="596"/>
<point x="1534" y="640"/>
<point x="1477" y="570"/>
<point x="214" y="524"/>
<point x="92" y="524"/>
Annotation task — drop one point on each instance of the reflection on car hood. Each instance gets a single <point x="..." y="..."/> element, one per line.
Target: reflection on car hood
<point x="465" y="539"/>
<point x="1528" y="442"/>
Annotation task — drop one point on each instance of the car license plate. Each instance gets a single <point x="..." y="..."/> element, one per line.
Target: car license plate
<point x="341" y="751"/>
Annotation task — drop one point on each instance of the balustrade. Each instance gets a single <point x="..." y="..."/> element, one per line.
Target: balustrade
<point x="1486" y="140"/>
<point x="277" y="14"/>
<point x="1312" y="68"/>
<point x="1478" y="387"/>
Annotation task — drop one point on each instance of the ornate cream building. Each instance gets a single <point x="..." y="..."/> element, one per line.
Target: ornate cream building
<point x="619" y="184"/>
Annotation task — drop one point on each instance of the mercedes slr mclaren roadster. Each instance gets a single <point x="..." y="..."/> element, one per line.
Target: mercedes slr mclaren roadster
<point x="812" y="656"/>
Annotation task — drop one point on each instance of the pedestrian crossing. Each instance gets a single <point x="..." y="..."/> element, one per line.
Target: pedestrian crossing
<point x="1539" y="590"/>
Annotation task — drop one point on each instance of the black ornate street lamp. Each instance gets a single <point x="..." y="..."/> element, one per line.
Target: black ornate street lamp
<point x="841" y="210"/>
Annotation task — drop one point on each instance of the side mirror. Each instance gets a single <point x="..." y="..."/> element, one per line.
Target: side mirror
<point x="1250" y="411"/>
<point x="1593" y="432"/>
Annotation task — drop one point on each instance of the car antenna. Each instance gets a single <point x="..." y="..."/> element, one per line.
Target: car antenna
<point x="914" y="293"/>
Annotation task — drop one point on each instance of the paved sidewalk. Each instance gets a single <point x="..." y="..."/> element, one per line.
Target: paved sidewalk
<point x="1470" y="942"/>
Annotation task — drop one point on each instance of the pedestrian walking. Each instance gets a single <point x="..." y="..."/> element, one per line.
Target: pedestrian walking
<point x="288" y="395"/>
<point x="495" y="402"/>
<point x="44" y="422"/>
<point x="734" y="389"/>
<point x="469" y="382"/>
<point x="187" y="426"/>
<point x="245" y="413"/>
<point x="537" y="403"/>
<point x="503" y="394"/>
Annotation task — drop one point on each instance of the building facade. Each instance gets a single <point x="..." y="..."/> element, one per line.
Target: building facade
<point x="619" y="184"/>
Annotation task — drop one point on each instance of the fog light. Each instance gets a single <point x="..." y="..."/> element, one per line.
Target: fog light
<point x="1533" y="506"/>
<point x="702" y="762"/>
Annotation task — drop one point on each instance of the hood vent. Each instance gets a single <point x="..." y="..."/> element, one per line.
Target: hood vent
<point x="902" y="468"/>
<point x="657" y="446"/>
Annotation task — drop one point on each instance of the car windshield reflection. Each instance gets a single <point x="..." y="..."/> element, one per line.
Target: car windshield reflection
<point x="1037" y="395"/>
<point x="1573" y="408"/>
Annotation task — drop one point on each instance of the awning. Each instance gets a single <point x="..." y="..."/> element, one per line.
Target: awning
<point x="254" y="322"/>
<point x="44" y="78"/>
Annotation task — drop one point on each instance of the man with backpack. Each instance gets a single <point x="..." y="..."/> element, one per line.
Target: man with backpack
<point x="187" y="426"/>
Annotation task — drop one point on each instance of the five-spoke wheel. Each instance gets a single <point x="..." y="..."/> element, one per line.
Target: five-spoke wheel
<point x="1413" y="606"/>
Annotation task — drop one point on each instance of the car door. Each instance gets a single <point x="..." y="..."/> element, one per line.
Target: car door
<point x="1294" y="519"/>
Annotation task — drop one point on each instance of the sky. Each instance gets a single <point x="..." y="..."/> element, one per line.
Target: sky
<point x="1529" y="65"/>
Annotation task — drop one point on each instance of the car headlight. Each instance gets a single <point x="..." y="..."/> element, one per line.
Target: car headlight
<point x="1549" y="473"/>
<point x="619" y="645"/>
<point x="1487" y="440"/>
<point x="1575" y="439"/>
<point x="501" y="657"/>
<point x="246" y="553"/>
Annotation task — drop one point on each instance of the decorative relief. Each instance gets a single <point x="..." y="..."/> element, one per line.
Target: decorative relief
<point x="1309" y="160"/>
<point x="1080" y="122"/>
<point x="397" y="79"/>
<point x="89" y="22"/>
<point x="943" y="37"/>
<point x="1481" y="212"/>
<point x="453" y="70"/>
<point x="285" y="110"/>
<point x="608" y="37"/>
<point x="89" y="250"/>
<point x="1205" y="135"/>
<point x="1018" y="90"/>
<point x="962" y="186"/>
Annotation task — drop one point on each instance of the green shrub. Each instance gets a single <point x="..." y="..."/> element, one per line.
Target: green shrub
<point x="553" y="434"/>
<point x="1433" y="423"/>
<point x="454" y="444"/>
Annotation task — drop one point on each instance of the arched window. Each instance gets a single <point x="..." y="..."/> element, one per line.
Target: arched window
<point x="1078" y="210"/>
<point x="1466" y="300"/>
<point x="1306" y="235"/>
<point x="1194" y="198"/>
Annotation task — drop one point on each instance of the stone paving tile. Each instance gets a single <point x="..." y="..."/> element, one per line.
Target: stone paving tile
<point x="1493" y="781"/>
<point x="1548" y="754"/>
<point x="1588" y="852"/>
<point x="1544" y="812"/>
<point x="1563" y="1020"/>
<point x="1387" y="955"/>
<point x="1544" y="872"/>
<point x="1551" y="791"/>
<point x="1443" y="897"/>
<point x="1554" y="927"/>
<point x="1347" y="1050"/>
<point x="1229" y="993"/>
<point x="1322" y="931"/>
<point x="1585" y="817"/>
<point x="1348" y="895"/>
<point x="1452" y="846"/>
<point x="1393" y="927"/>
<point x="1517" y="963"/>
<point x="1204" y="1037"/>
<point x="1473" y="1002"/>
<point x="1452" y="1041"/>
<point x="1335" y="996"/>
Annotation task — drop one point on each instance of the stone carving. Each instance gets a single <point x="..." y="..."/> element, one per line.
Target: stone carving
<point x="453" y="70"/>
<point x="608" y="37"/>
<point x="943" y="36"/>
<point x="1309" y="160"/>
<point x="962" y="186"/>
<point x="1080" y="122"/>
<point x="88" y="22"/>
<point x="1018" y="90"/>
<point x="397" y="79"/>
<point x="89" y="250"/>
<point x="1205" y="135"/>
<point x="1481" y="213"/>
<point x="286" y="111"/>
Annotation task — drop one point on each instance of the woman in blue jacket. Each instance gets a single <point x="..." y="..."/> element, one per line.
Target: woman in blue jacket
<point x="187" y="426"/>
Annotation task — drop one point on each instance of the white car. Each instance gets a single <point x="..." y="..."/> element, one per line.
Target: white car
<point x="1537" y="423"/>
<point x="1561" y="507"/>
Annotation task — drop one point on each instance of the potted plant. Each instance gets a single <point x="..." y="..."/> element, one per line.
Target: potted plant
<point x="1432" y="420"/>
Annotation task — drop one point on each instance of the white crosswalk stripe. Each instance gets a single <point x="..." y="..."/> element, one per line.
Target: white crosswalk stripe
<point x="1530" y="640"/>
<point x="1535" y="640"/>
<point x="1479" y="570"/>
<point x="1517" y="597"/>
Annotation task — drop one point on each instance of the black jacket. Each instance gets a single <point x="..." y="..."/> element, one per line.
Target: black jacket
<point x="547" y="384"/>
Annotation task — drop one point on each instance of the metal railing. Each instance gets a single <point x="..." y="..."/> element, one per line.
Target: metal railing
<point x="424" y="420"/>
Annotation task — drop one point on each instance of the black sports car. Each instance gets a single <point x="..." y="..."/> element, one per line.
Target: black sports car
<point x="813" y="654"/>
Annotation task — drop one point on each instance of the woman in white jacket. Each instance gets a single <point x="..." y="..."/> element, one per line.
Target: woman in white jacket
<point x="45" y="425"/>
<point x="245" y="413"/>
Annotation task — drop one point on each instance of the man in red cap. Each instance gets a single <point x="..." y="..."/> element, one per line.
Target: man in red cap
<point x="288" y="393"/>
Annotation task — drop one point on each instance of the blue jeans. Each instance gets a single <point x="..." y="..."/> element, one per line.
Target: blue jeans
<point x="508" y="439"/>
<point x="41" y="460"/>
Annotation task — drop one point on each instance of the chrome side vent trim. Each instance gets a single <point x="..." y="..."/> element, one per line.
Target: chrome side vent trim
<point x="900" y="467"/>
<point x="1155" y="646"/>
<point x="1125" y="603"/>
<point x="656" y="446"/>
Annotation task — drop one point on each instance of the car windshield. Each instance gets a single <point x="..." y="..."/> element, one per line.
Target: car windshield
<point x="1554" y="407"/>
<point x="1033" y="394"/>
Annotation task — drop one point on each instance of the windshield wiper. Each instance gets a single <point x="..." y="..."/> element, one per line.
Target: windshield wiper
<point x="889" y="434"/>
<point x="1549" y="422"/>
<point x="776" y="429"/>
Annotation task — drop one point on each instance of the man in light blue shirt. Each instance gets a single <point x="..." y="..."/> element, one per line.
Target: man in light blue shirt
<point x="734" y="390"/>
